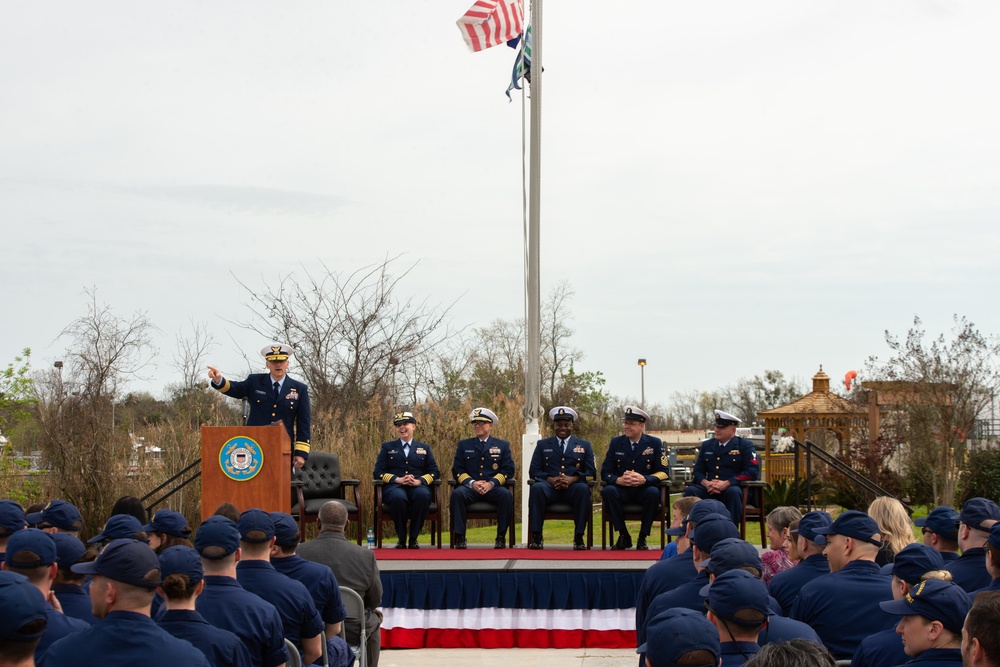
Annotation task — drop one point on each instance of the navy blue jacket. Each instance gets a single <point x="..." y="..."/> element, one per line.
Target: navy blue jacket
<point x="735" y="654"/>
<point x="780" y="629"/>
<point x="221" y="647"/>
<point x="843" y="607"/>
<point x="227" y="605"/>
<point x="474" y="462"/>
<point x="648" y="459"/>
<point x="291" y="408"/>
<point x="734" y="462"/>
<point x="969" y="571"/>
<point x="319" y="581"/>
<point x="880" y="649"/>
<point x="299" y="616"/>
<point x="391" y="463"/>
<point x="661" y="577"/>
<point x="124" y="638"/>
<point x="785" y="585"/>
<point x="939" y="657"/>
<point x="75" y="602"/>
<point x="59" y="625"/>
<point x="548" y="459"/>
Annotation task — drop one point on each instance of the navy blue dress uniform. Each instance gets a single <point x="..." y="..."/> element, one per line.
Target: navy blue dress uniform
<point x="482" y="460"/>
<point x="226" y="604"/>
<point x="785" y="585"/>
<point x="843" y="606"/>
<point x="646" y="457"/>
<point x="407" y="504"/>
<point x="553" y="457"/>
<point x="289" y="405"/>
<point x="733" y="461"/>
<point x="124" y="637"/>
<point x="295" y="605"/>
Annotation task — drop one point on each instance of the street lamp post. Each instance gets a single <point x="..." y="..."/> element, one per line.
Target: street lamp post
<point x="642" y="376"/>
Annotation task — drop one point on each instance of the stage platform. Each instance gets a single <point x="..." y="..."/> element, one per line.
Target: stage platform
<point x="510" y="598"/>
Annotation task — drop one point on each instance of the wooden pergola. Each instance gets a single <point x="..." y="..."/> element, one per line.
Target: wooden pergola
<point x="821" y="409"/>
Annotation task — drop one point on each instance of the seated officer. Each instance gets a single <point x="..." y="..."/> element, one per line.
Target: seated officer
<point x="736" y="602"/>
<point x="22" y="619"/>
<point x="318" y="579"/>
<point x="940" y="530"/>
<point x="785" y="586"/>
<point x="482" y="466"/>
<point x="931" y="625"/>
<point x="977" y="518"/>
<point x="632" y="471"/>
<point x="183" y="581"/>
<point x="126" y="575"/>
<point x="560" y="467"/>
<point x="913" y="564"/>
<point x="32" y="553"/>
<point x="680" y="637"/>
<point x="407" y="470"/>
<point x="842" y="607"/>
<point x="68" y="585"/>
<point x="226" y="604"/>
<point x="723" y="462"/>
<point x="58" y="516"/>
<point x="300" y="619"/>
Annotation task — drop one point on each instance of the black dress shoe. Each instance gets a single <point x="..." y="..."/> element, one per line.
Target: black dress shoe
<point x="400" y="545"/>
<point x="460" y="542"/>
<point x="414" y="545"/>
<point x="578" y="544"/>
<point x="499" y="543"/>
<point x="624" y="542"/>
<point x="536" y="541"/>
<point x="640" y="545"/>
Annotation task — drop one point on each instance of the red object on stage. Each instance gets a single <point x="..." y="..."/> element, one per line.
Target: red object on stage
<point x="506" y="638"/>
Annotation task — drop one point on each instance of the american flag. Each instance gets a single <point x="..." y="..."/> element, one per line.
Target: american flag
<point x="491" y="22"/>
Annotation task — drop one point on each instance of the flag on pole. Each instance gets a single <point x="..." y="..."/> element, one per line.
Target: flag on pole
<point x="491" y="22"/>
<point x="522" y="64"/>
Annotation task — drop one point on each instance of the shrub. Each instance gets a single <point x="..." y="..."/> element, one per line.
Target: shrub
<point x="980" y="477"/>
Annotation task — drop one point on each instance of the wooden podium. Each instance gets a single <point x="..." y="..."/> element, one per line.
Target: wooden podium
<point x="248" y="466"/>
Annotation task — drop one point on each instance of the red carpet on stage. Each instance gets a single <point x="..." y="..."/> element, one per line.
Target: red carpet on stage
<point x="489" y="553"/>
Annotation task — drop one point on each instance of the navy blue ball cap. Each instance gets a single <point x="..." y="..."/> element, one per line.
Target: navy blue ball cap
<point x="169" y="522"/>
<point x="811" y="521"/>
<point x="128" y="561"/>
<point x="30" y="548"/>
<point x="735" y="591"/>
<point x="942" y="520"/>
<point x="934" y="600"/>
<point x="977" y="511"/>
<point x="58" y="513"/>
<point x="853" y="524"/>
<point x="21" y="603"/>
<point x="286" y="531"/>
<point x="119" y="526"/>
<point x="217" y="531"/>
<point x="181" y="560"/>
<point x="712" y="530"/>
<point x="706" y="507"/>
<point x="677" y="530"/>
<point x="255" y="521"/>
<point x="914" y="561"/>
<point x="69" y="549"/>
<point x="730" y="554"/>
<point x="11" y="517"/>
<point x="994" y="537"/>
<point x="675" y="632"/>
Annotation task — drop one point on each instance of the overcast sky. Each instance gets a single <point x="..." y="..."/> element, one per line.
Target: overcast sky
<point x="728" y="186"/>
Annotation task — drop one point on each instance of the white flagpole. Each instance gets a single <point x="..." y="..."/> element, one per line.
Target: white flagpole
<point x="533" y="374"/>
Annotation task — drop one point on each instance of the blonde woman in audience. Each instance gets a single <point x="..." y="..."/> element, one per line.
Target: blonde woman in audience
<point x="895" y="524"/>
<point x="778" y="524"/>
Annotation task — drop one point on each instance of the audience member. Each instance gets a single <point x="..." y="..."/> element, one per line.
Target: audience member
<point x="894" y="525"/>
<point x="68" y="585"/>
<point x="120" y="526"/>
<point x="975" y="521"/>
<point x="933" y="614"/>
<point x="785" y="586"/>
<point x="168" y="529"/>
<point x="737" y="606"/>
<point x="778" y="526"/>
<point x="992" y="560"/>
<point x="678" y="527"/>
<point x="57" y="516"/>
<point x="130" y="505"/>
<point x="680" y="637"/>
<point x="793" y="653"/>
<point x="228" y="510"/>
<point x="981" y="633"/>
<point x="22" y="620"/>
<point x="11" y="521"/>
<point x="940" y="530"/>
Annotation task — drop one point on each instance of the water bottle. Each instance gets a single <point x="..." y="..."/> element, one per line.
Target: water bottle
<point x="371" y="539"/>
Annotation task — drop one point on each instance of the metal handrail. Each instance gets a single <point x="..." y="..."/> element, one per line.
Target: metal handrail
<point x="170" y="481"/>
<point x="840" y="467"/>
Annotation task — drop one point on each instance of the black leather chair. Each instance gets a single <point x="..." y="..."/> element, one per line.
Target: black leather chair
<point x="564" y="511"/>
<point x="753" y="509"/>
<point x="321" y="483"/>
<point x="433" y="513"/>
<point x="482" y="509"/>
<point x="633" y="512"/>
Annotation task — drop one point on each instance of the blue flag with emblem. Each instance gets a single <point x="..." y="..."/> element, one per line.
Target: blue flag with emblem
<point x="522" y="64"/>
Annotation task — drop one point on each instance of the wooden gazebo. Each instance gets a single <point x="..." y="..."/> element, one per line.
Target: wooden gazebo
<point x="821" y="409"/>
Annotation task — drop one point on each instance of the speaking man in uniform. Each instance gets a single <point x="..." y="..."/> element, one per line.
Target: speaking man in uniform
<point x="407" y="469"/>
<point x="560" y="467"/>
<point x="632" y="471"/>
<point x="482" y="466"/>
<point x="273" y="397"/>
<point x="723" y="462"/>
